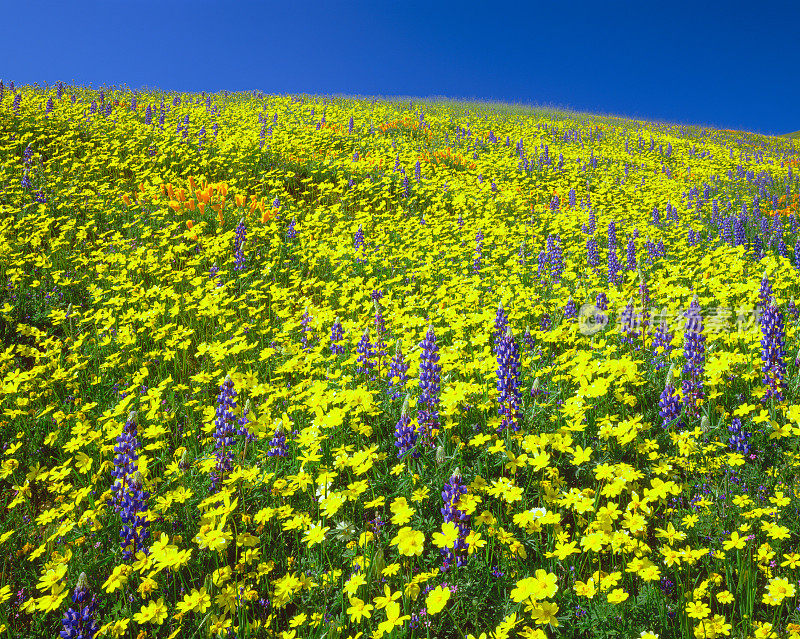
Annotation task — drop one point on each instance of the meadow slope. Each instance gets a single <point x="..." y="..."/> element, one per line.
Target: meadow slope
<point x="296" y="366"/>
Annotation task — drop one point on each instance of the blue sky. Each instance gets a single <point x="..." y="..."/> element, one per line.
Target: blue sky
<point x="730" y="65"/>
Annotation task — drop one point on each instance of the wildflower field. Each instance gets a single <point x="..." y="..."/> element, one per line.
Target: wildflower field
<point x="293" y="366"/>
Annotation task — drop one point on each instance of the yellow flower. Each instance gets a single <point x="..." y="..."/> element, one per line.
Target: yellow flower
<point x="409" y="542"/>
<point x="382" y="602"/>
<point x="402" y="512"/>
<point x="436" y="600"/>
<point x="697" y="609"/>
<point x="315" y="534"/>
<point x="142" y="562"/>
<point x="545" y="612"/>
<point x="393" y="618"/>
<point x="474" y="542"/>
<point x="391" y="570"/>
<point x="115" y="628"/>
<point x="354" y="583"/>
<point x="358" y="609"/>
<point x="52" y="578"/>
<point x="447" y="538"/>
<point x="198" y="601"/>
<point x="525" y="588"/>
<point x="735" y="542"/>
<point x="153" y="611"/>
<point x="618" y="595"/>
<point x="118" y="578"/>
<point x="52" y="601"/>
<point x="779" y="589"/>
<point x="724" y="597"/>
<point x="298" y="620"/>
<point x="587" y="589"/>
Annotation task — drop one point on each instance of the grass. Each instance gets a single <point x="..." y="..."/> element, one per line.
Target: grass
<point x="156" y="273"/>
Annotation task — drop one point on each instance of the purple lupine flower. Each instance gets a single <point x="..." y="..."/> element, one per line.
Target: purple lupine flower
<point x="405" y="436"/>
<point x="336" y="337"/>
<point x="655" y="217"/>
<point x="593" y="256"/>
<point x="131" y="499"/>
<point x="350" y="126"/>
<point x="613" y="266"/>
<point x="417" y="171"/>
<point x="17" y="102"/>
<point x="201" y="136"/>
<point x="453" y="490"/>
<point x="212" y="272"/>
<point x="629" y="323"/>
<point x="694" y="350"/>
<point x="510" y="398"/>
<point x="365" y="363"/>
<point x="570" y="310"/>
<point x="358" y="238"/>
<point x="26" y="181"/>
<point x="500" y="326"/>
<point x="612" y="234"/>
<point x="631" y="255"/>
<point x="406" y="186"/>
<point x="555" y="257"/>
<point x="224" y="432"/>
<point x="125" y="461"/>
<point x="241" y="236"/>
<point x="527" y="339"/>
<point x="277" y="443"/>
<point x="572" y="197"/>
<point x="669" y="402"/>
<point x="49" y="106"/>
<point x="148" y="116"/>
<point x="291" y="231"/>
<point x="429" y="377"/>
<point x="541" y="267"/>
<point x="398" y="369"/>
<point x="739" y="441"/>
<point x="773" y="351"/>
<point x="601" y="301"/>
<point x="78" y="621"/>
<point x="662" y="344"/>
<point x="739" y="236"/>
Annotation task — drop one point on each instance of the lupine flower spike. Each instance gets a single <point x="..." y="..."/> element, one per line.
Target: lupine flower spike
<point x="78" y="621"/>
<point x="670" y="403"/>
<point x="405" y="436"/>
<point x="509" y="401"/>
